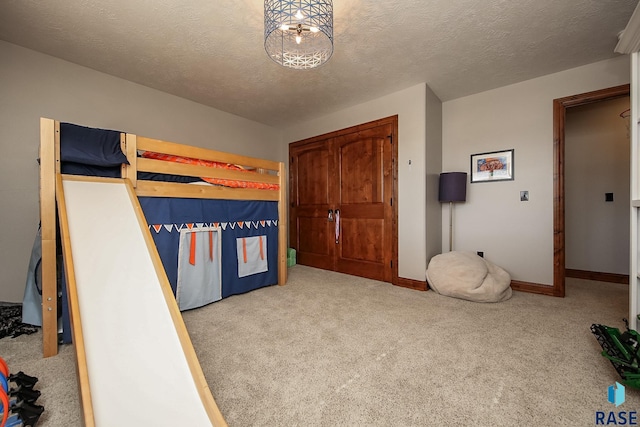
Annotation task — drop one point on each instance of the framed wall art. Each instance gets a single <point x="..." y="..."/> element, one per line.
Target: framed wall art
<point x="492" y="166"/>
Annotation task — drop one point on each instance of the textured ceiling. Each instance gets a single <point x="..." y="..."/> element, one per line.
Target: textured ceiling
<point x="211" y="51"/>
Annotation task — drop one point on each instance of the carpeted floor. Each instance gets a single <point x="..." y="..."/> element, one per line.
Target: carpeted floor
<point x="330" y="349"/>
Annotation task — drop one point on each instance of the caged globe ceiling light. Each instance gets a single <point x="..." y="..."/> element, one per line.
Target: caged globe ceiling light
<point x="298" y="34"/>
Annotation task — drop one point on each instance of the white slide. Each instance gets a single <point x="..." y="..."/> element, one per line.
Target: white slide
<point x="136" y="363"/>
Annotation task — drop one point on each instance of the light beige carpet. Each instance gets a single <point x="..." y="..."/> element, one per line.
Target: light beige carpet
<point x="330" y="349"/>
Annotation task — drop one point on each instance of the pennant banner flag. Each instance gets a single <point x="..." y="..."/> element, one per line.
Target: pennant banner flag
<point x="200" y="225"/>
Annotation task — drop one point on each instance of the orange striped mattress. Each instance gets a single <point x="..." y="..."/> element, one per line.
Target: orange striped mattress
<point x="217" y="181"/>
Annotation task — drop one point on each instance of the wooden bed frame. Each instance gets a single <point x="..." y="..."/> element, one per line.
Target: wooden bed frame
<point x="270" y="172"/>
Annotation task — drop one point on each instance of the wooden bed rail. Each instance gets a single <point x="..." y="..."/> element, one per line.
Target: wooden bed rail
<point x="164" y="147"/>
<point x="49" y="169"/>
<point x="257" y="171"/>
<point x="266" y="172"/>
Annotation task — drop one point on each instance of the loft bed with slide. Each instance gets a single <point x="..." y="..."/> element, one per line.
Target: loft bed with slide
<point x="148" y="228"/>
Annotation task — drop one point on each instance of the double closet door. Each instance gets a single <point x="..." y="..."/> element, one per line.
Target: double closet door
<point x="342" y="215"/>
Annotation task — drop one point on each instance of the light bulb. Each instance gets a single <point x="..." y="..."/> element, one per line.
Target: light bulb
<point x="298" y="39"/>
<point x="313" y="29"/>
<point x="284" y="27"/>
<point x="299" y="14"/>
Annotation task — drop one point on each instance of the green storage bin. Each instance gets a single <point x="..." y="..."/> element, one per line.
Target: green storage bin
<point x="291" y="257"/>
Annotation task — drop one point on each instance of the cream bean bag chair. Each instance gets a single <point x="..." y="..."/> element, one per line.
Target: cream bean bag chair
<point x="468" y="276"/>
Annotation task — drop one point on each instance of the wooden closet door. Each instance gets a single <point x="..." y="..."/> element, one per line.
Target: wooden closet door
<point x="364" y="189"/>
<point x="352" y="171"/>
<point x="311" y="232"/>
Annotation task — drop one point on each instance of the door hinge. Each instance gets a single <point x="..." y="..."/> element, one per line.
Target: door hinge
<point x="390" y="138"/>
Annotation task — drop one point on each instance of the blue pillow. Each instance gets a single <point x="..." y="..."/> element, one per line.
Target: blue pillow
<point x="90" y="146"/>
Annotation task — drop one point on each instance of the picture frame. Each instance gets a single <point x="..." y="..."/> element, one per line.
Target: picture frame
<point x="492" y="166"/>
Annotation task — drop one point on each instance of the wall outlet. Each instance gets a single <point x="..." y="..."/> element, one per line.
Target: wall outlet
<point x="480" y="254"/>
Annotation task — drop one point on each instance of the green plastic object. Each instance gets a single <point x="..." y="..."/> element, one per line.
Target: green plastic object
<point x="622" y="349"/>
<point x="291" y="257"/>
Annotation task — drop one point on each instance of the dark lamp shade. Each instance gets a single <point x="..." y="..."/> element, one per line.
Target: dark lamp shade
<point x="453" y="187"/>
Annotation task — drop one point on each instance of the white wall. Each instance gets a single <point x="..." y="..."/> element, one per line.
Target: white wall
<point x="33" y="85"/>
<point x="515" y="235"/>
<point x="410" y="106"/>
<point x="433" y="168"/>
<point x="597" y="152"/>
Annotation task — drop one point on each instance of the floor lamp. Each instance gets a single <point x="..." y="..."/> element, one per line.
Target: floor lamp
<point x="453" y="188"/>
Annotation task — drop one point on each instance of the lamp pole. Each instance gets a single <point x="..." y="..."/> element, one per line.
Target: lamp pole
<point x="450" y="226"/>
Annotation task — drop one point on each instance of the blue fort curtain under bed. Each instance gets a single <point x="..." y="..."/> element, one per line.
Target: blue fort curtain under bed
<point x="236" y="219"/>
